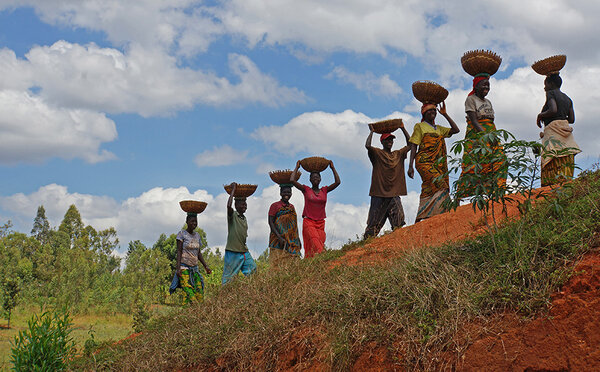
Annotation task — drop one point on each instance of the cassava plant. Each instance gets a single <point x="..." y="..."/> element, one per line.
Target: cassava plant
<point x="515" y="171"/>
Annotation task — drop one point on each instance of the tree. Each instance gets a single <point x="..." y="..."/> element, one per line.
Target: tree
<point x="10" y="290"/>
<point x="41" y="226"/>
<point x="168" y="246"/>
<point x="5" y="229"/>
<point x="135" y="247"/>
<point x="72" y="224"/>
<point x="147" y="272"/>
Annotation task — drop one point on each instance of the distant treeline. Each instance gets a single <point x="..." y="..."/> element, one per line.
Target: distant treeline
<point x="74" y="266"/>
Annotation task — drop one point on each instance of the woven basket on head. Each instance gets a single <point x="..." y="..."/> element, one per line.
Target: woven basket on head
<point x="192" y="206"/>
<point x="282" y="176"/>
<point x="551" y="65"/>
<point x="242" y="190"/>
<point x="480" y="61"/>
<point x="314" y="164"/>
<point x="429" y="92"/>
<point x="387" y="126"/>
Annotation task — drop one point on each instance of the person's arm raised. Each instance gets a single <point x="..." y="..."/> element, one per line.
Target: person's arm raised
<point x="453" y="127"/>
<point x="230" y="200"/>
<point x="406" y="135"/>
<point x="294" y="177"/>
<point x="370" y="137"/>
<point x="336" y="178"/>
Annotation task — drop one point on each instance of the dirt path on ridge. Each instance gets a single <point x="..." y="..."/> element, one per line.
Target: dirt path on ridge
<point x="447" y="227"/>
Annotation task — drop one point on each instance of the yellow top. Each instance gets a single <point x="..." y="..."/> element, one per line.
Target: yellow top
<point x="423" y="128"/>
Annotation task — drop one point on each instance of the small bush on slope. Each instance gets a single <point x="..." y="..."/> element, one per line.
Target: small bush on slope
<point x="413" y="304"/>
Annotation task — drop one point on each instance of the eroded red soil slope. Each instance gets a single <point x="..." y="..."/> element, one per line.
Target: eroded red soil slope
<point x="566" y="339"/>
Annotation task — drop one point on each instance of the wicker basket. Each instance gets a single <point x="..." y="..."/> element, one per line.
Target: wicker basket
<point x="242" y="190"/>
<point x="387" y="126"/>
<point x="551" y="65"/>
<point x="480" y="61"/>
<point x="192" y="206"/>
<point x="314" y="164"/>
<point x="282" y="176"/>
<point x="429" y="92"/>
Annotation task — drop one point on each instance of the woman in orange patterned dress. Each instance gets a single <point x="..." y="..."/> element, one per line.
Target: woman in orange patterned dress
<point x="428" y="152"/>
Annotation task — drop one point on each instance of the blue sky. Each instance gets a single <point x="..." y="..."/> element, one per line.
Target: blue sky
<point x="126" y="109"/>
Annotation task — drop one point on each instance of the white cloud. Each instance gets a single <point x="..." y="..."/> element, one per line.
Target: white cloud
<point x="437" y="31"/>
<point x="146" y="22"/>
<point x="157" y="211"/>
<point x="220" y="156"/>
<point x="31" y="130"/>
<point x="342" y="134"/>
<point x="142" y="80"/>
<point x="56" y="199"/>
<point x="367" y="82"/>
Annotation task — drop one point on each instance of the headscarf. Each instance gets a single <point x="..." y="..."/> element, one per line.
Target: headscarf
<point x="192" y="214"/>
<point x="479" y="77"/>
<point x="426" y="107"/>
<point x="386" y="135"/>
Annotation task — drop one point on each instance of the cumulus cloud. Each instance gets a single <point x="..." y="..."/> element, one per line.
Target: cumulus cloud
<point x="437" y="31"/>
<point x="146" y="22"/>
<point x="142" y="80"/>
<point x="157" y="211"/>
<point x="367" y="82"/>
<point x="32" y="130"/>
<point x="220" y="156"/>
<point x="342" y="134"/>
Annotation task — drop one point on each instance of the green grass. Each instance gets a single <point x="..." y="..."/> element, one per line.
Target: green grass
<point x="106" y="327"/>
<point x="414" y="304"/>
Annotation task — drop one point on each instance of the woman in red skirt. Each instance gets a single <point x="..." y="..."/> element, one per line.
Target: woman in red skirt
<point x="313" y="216"/>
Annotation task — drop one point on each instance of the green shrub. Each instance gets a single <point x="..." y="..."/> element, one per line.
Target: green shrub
<point x="46" y="344"/>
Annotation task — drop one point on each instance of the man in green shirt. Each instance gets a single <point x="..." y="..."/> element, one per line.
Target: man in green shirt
<point x="237" y="256"/>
